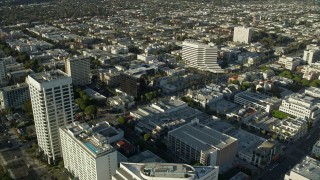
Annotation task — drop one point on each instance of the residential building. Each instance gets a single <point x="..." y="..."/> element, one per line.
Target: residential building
<point x="311" y="54"/>
<point x="301" y="105"/>
<point x="87" y="153"/>
<point x="197" y="142"/>
<point x="2" y="72"/>
<point x="316" y="149"/>
<point x="289" y="62"/>
<point x="120" y="102"/>
<point x="291" y="129"/>
<point x="14" y="96"/>
<point x="307" y="169"/>
<point x="257" y="100"/>
<point x="200" y="56"/>
<point x="111" y="77"/>
<point x="313" y="92"/>
<point x="205" y="96"/>
<point x="53" y="106"/>
<point x="165" y="171"/>
<point x="79" y="69"/>
<point x="242" y="34"/>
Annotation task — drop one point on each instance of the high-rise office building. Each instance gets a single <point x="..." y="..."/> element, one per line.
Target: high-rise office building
<point x="79" y="69"/>
<point x="14" y="96"/>
<point x="53" y="106"/>
<point x="200" y="56"/>
<point x="86" y="150"/>
<point x="242" y="34"/>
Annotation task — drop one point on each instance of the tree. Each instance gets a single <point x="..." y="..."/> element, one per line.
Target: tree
<point x="305" y="82"/>
<point x="91" y="110"/>
<point x="147" y="136"/>
<point x="279" y="114"/>
<point x="315" y="83"/>
<point x="122" y="120"/>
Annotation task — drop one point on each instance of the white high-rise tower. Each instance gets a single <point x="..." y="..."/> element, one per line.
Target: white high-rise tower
<point x="200" y="56"/>
<point x="53" y="106"/>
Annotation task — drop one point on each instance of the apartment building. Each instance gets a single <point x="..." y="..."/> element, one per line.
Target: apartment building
<point x="53" y="106"/>
<point x="289" y="62"/>
<point x="200" y="56"/>
<point x="78" y="68"/>
<point x="301" y="105"/>
<point x="311" y="54"/>
<point x="14" y="96"/>
<point x="197" y="142"/>
<point x="257" y="100"/>
<point x="242" y="34"/>
<point x="87" y="153"/>
<point x="165" y="171"/>
<point x="316" y="149"/>
<point x="291" y="129"/>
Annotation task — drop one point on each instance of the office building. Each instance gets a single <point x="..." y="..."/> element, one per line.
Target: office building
<point x="200" y="56"/>
<point x="199" y="143"/>
<point x="165" y="171"/>
<point x="311" y="54"/>
<point x="79" y="69"/>
<point x="86" y="150"/>
<point x="14" y="96"/>
<point x="242" y="35"/>
<point x="307" y="169"/>
<point x="257" y="100"/>
<point x="301" y="105"/>
<point x="53" y="106"/>
<point x="2" y="72"/>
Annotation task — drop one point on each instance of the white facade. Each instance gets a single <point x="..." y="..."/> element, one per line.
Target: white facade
<point x="291" y="129"/>
<point x="289" y="62"/>
<point x="14" y="96"/>
<point x="312" y="91"/>
<point x="200" y="56"/>
<point x="205" y="96"/>
<point x="86" y="156"/>
<point x="257" y="100"/>
<point x="53" y="106"/>
<point x="79" y="69"/>
<point x="242" y="35"/>
<point x="301" y="105"/>
<point x="308" y="169"/>
<point x="311" y="54"/>
<point x="316" y="149"/>
<point x="165" y="171"/>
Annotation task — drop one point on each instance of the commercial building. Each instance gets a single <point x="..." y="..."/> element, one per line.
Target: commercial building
<point x="242" y="34"/>
<point x="316" y="149"/>
<point x="165" y="171"/>
<point x="307" y="169"/>
<point x="14" y="96"/>
<point x="197" y="142"/>
<point x="132" y="85"/>
<point x="52" y="104"/>
<point x="86" y="150"/>
<point x="79" y="69"/>
<point x="311" y="54"/>
<point x="257" y="100"/>
<point x="301" y="105"/>
<point x="200" y="56"/>
<point x="2" y="72"/>
<point x="291" y="129"/>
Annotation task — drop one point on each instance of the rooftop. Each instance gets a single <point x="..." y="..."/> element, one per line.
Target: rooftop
<point x="202" y="137"/>
<point x="13" y="87"/>
<point x="48" y="76"/>
<point x="308" y="167"/>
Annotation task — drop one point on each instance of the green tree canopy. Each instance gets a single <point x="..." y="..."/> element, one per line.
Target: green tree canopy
<point x="122" y="120"/>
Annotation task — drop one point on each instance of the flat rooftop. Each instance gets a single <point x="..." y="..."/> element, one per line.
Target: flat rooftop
<point x="202" y="137"/>
<point x="308" y="167"/>
<point x="48" y="76"/>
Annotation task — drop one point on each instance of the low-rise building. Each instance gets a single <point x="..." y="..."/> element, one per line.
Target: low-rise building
<point x="14" y="96"/>
<point x="111" y="77"/>
<point x="165" y="171"/>
<point x="301" y="105"/>
<point x="289" y="62"/>
<point x="291" y="129"/>
<point x="312" y="91"/>
<point x="121" y="102"/>
<point x="257" y="100"/>
<point x="86" y="151"/>
<point x="307" y="169"/>
<point x="205" y="96"/>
